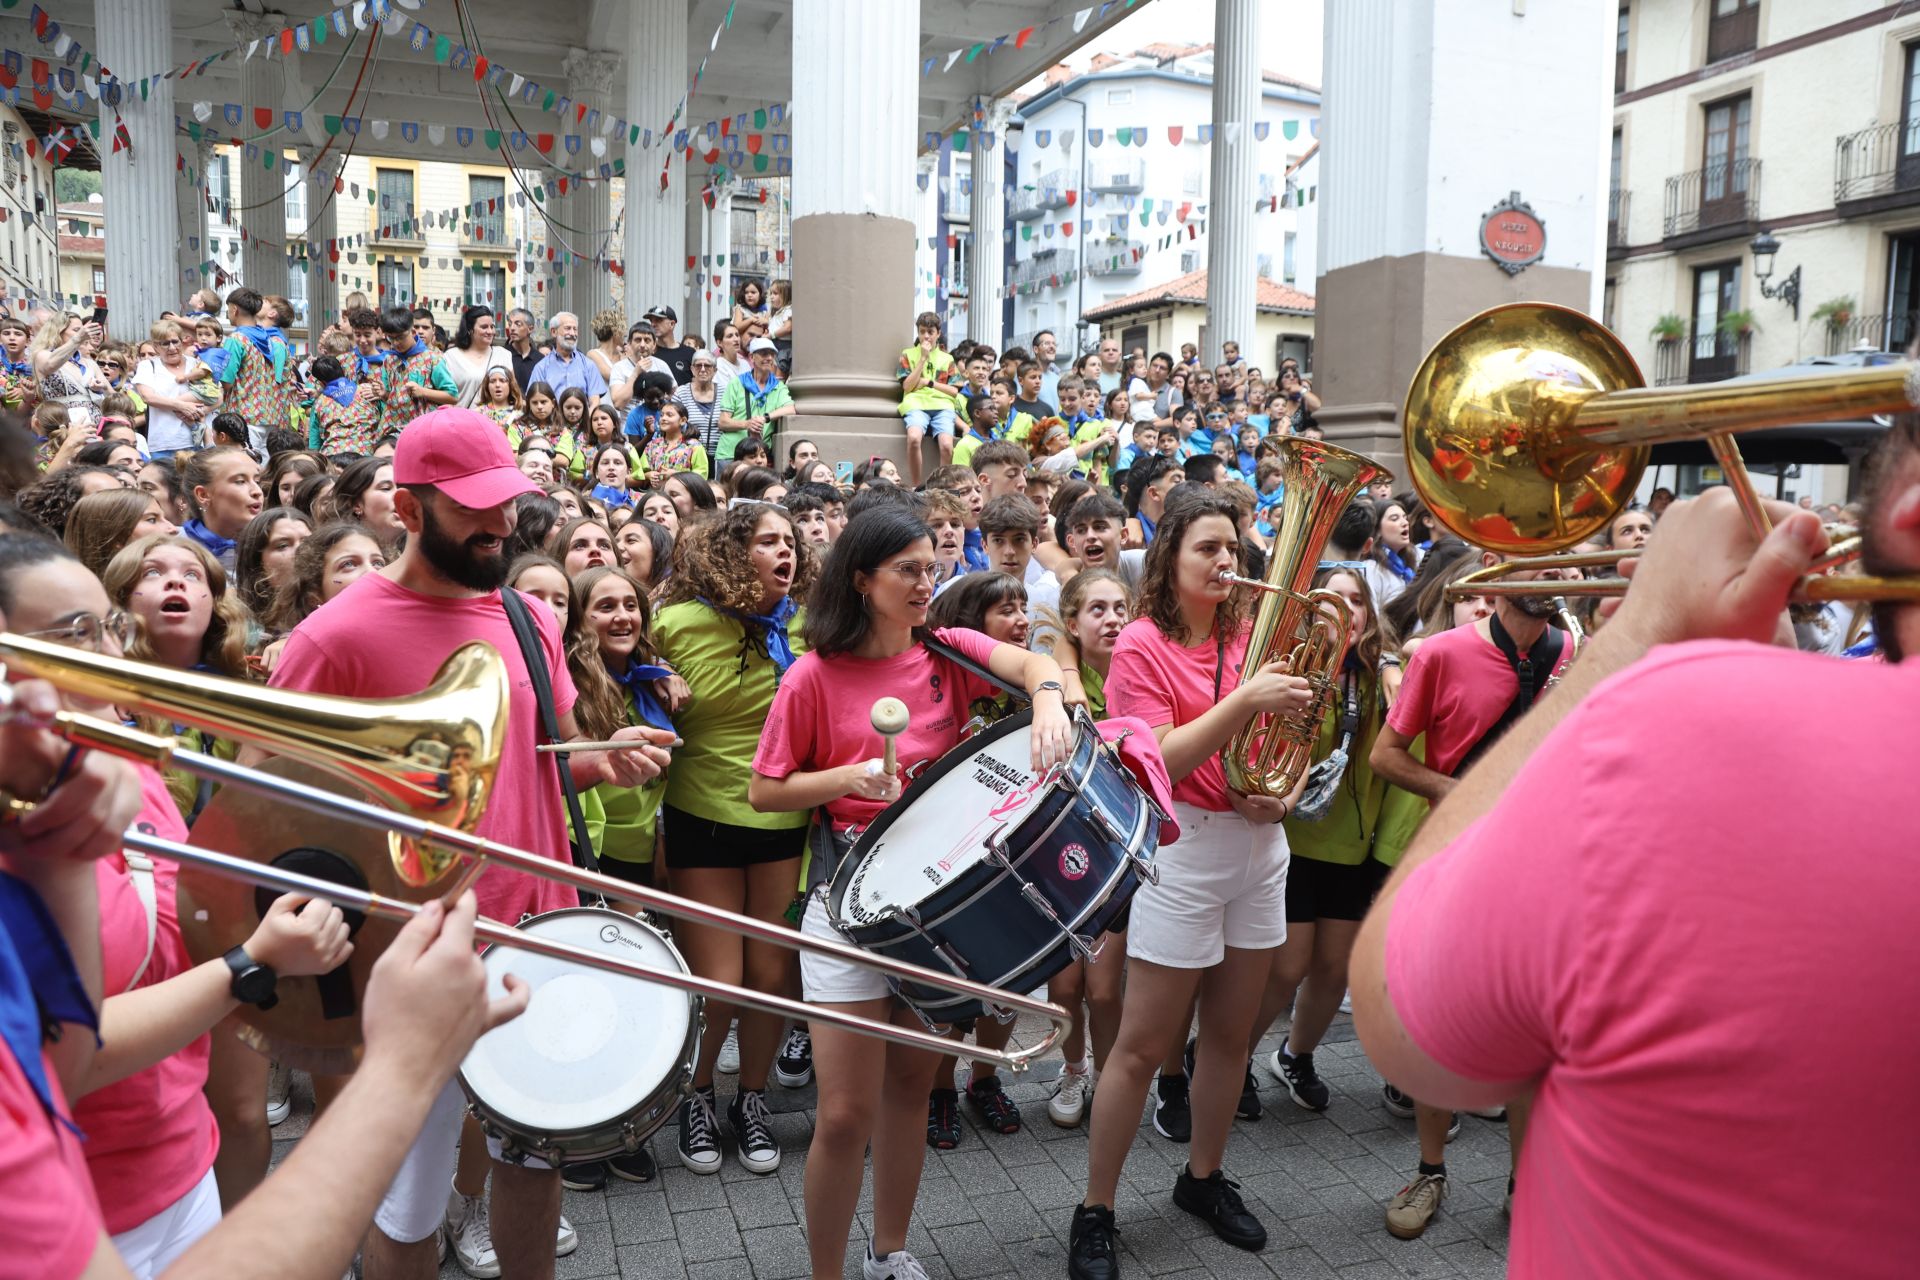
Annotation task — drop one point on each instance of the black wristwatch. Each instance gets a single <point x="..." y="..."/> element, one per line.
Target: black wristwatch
<point x="253" y="983"/>
<point x="1053" y="685"/>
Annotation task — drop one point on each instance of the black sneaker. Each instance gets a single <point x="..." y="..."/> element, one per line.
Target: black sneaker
<point x="996" y="1109"/>
<point x="1216" y="1201"/>
<point x="747" y="1116"/>
<point x="591" y="1176"/>
<point x="637" y="1166"/>
<point x="1396" y="1102"/>
<point x="1090" y="1252"/>
<point x="699" y="1142"/>
<point x="794" y="1067"/>
<point x="1172" y="1109"/>
<point x="1249" y="1107"/>
<point x="1303" y="1082"/>
<point x="943" y="1119"/>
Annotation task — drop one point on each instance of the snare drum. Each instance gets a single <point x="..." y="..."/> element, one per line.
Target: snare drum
<point x="599" y="1060"/>
<point x="985" y="870"/>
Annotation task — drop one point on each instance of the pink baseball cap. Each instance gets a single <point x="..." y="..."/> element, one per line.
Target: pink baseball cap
<point x="463" y="454"/>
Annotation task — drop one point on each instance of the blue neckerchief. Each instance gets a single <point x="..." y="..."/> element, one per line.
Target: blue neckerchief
<point x="9" y="366"/>
<point x="215" y="358"/>
<point x="613" y="497"/>
<point x="1398" y="567"/>
<point x="1246" y="461"/>
<point x="1146" y="527"/>
<point x="267" y="341"/>
<point x="773" y="630"/>
<point x="340" y="391"/>
<point x="638" y="680"/>
<point x="1268" y="501"/>
<point x="372" y="363"/>
<point x="755" y="390"/>
<point x="973" y="548"/>
<point x="1201" y="441"/>
<point x="207" y="538"/>
<point x="39" y="986"/>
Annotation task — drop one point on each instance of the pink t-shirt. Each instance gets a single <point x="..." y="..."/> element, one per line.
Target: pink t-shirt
<point x="1165" y="683"/>
<point x="820" y="716"/>
<point x="150" y="1137"/>
<point x="49" y="1216"/>
<point x="377" y="639"/>
<point x="1694" y="921"/>
<point x="1457" y="687"/>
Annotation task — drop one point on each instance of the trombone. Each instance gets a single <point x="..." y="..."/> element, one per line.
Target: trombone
<point x="438" y="753"/>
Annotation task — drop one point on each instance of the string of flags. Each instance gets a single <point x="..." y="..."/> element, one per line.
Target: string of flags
<point x="960" y="138"/>
<point x="1018" y="39"/>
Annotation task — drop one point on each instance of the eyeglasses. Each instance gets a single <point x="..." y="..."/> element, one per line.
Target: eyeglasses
<point x="912" y="573"/>
<point x="86" y="630"/>
<point x="110" y="364"/>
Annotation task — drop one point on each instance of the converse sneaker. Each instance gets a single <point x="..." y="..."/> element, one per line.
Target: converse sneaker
<point x="1497" y="1115"/>
<point x="280" y="1096"/>
<point x="1069" y="1102"/>
<point x="752" y="1126"/>
<point x="728" y="1063"/>
<point x="634" y="1166"/>
<point x="591" y="1176"/>
<point x="1090" y="1252"/>
<point x="699" y="1139"/>
<point x="1216" y="1201"/>
<point x="943" y="1119"/>
<point x="1414" y="1205"/>
<point x="899" y="1265"/>
<point x="1172" y="1109"/>
<point x="1396" y="1102"/>
<point x="1249" y="1107"/>
<point x="794" y="1067"/>
<point x="1304" y="1085"/>
<point x="996" y="1110"/>
<point x="565" y="1238"/>
<point x="471" y="1235"/>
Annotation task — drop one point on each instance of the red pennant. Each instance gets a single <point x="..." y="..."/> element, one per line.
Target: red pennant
<point x="332" y="274"/>
<point x="40" y="21"/>
<point x="286" y="41"/>
<point x="1174" y="132"/>
<point x="713" y="156"/>
<point x="690" y="260"/>
<point x="1071" y="197"/>
<point x="1193" y="232"/>
<point x="1020" y="41"/>
<point x="579" y="112"/>
<point x="753" y="148"/>
<point x="763" y="195"/>
<point x="544" y="141"/>
<point x="780" y="255"/>
<point x="33" y="147"/>
<point x="263" y="117"/>
<point x="8" y="79"/>
<point x="39" y="72"/>
<point x="43" y="98"/>
<point x="716" y="282"/>
<point x="563" y="186"/>
<point x="479" y="68"/>
<point x="1185" y="208"/>
<point x="726" y="127"/>
<point x="1066" y="228"/>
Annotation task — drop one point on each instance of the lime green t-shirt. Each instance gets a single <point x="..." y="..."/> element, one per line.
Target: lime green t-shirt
<point x="1347" y="833"/>
<point x="932" y="366"/>
<point x="627" y="816"/>
<point x="1401" y="814"/>
<point x="733" y="682"/>
<point x="1095" y="686"/>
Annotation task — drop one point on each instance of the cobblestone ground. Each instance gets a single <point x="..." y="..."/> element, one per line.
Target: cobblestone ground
<point x="1000" y="1206"/>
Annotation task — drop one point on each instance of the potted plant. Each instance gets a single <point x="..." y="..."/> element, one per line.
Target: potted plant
<point x="1670" y="327"/>
<point x="1837" y="312"/>
<point x="1737" y="324"/>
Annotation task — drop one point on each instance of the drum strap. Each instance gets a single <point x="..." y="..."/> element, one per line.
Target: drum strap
<point x="962" y="661"/>
<point x="531" y="652"/>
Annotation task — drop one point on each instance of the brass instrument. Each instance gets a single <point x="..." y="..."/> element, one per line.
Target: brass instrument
<point x="431" y="756"/>
<point x="1528" y="427"/>
<point x="1308" y="628"/>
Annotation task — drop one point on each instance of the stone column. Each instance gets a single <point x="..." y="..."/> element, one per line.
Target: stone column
<point x="191" y="216"/>
<point x="137" y="187"/>
<point x="987" y="216"/>
<point x="853" y="189"/>
<point x="655" y="245"/>
<point x="695" y="315"/>
<point x="263" y="203"/>
<point x="929" y="252"/>
<point x="589" y="205"/>
<point x="1232" y="266"/>
<point x="323" y="288"/>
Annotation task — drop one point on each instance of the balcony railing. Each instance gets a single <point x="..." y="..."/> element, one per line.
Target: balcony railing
<point x="957" y="203"/>
<point x="1038" y="269"/>
<point x="1115" y="258"/>
<point x="1734" y="34"/>
<point x="487" y="233"/>
<point x="1723" y="194"/>
<point x="1891" y="331"/>
<point x="1701" y="357"/>
<point x="1617" y="201"/>
<point x="1878" y="161"/>
<point x="1117" y="175"/>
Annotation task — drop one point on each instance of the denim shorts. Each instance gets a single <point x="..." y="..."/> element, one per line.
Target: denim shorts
<point x="938" y="421"/>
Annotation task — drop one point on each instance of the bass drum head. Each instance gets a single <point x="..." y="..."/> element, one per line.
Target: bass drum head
<point x="938" y="831"/>
<point x="593" y="1047"/>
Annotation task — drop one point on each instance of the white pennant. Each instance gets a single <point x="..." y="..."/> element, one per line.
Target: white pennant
<point x="952" y="58"/>
<point x="202" y="111"/>
<point x="359" y="15"/>
<point x="1232" y="128"/>
<point x="436" y="134"/>
<point x="380" y="130"/>
<point x="515" y="84"/>
<point x="598" y="146"/>
<point x="1080" y="19"/>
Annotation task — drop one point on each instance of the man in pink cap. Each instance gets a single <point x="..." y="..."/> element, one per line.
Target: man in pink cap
<point x="385" y="636"/>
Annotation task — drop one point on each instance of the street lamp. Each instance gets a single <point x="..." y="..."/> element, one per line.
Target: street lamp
<point x="1764" y="247"/>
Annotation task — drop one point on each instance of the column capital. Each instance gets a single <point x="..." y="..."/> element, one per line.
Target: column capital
<point x="591" y="72"/>
<point x="254" y="26"/>
<point x="926" y="163"/>
<point x="998" y="114"/>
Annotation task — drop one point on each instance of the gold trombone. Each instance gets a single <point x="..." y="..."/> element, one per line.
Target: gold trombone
<point x="435" y="756"/>
<point x="1527" y="428"/>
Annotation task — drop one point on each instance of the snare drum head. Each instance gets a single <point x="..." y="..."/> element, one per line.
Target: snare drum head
<point x="938" y="831"/>
<point x="592" y="1045"/>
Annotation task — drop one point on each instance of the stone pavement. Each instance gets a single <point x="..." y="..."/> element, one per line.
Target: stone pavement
<point x="1000" y="1206"/>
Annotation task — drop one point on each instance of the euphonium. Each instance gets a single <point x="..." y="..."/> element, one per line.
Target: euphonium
<point x="1308" y="628"/>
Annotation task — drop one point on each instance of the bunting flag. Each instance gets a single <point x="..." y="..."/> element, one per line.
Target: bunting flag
<point x="986" y="46"/>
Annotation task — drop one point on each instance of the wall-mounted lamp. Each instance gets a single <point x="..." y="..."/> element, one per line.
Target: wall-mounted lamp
<point x="1764" y="247"/>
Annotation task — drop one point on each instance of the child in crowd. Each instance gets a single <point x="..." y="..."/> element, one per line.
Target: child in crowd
<point x="947" y="517"/>
<point x="928" y="395"/>
<point x="1029" y="402"/>
<point x="500" y="399"/>
<point x="346" y="414"/>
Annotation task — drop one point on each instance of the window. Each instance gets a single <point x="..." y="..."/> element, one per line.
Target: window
<point x="1189" y="261"/>
<point x="1614" y="210"/>
<point x="1620" y="50"/>
<point x="297" y="295"/>
<point x="1190" y="185"/>
<point x="396" y="284"/>
<point x="487" y="286"/>
<point x="1287" y="269"/>
<point x="1134" y="337"/>
<point x="396" y="202"/>
<point x="488" y="196"/>
<point x="1119" y="97"/>
<point x="1724" y="171"/>
<point x="1716" y="293"/>
<point x="99" y="279"/>
<point x="296" y="193"/>
<point x="744" y="246"/>
<point x="1910" y="104"/>
<point x="960" y="265"/>
<point x="217" y="180"/>
<point x="1733" y="27"/>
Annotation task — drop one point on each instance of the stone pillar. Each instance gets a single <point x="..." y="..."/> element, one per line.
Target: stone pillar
<point x="137" y="188"/>
<point x="929" y="251"/>
<point x="263" y="203"/>
<point x="191" y="216"/>
<point x="1413" y="159"/>
<point x="323" y="288"/>
<point x="695" y="315"/>
<point x="1232" y="266"/>
<point x="656" y="241"/>
<point x="987" y="219"/>
<point x="589" y="205"/>
<point x="853" y="190"/>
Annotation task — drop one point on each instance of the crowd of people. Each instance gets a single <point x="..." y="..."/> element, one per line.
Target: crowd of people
<point x="712" y="594"/>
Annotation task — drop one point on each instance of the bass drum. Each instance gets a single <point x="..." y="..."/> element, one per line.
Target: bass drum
<point x="599" y="1060"/>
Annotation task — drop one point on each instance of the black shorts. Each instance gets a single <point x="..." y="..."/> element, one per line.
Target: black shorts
<point x="704" y="843"/>
<point x="1319" y="890"/>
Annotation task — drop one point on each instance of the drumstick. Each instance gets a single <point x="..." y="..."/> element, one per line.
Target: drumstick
<point x="889" y="718"/>
<point x="624" y="745"/>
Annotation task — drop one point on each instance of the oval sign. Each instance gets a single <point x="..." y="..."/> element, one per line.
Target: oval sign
<point x="1513" y="235"/>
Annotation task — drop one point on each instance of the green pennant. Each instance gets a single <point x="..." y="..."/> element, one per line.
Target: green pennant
<point x="332" y="124"/>
<point x="961" y="139"/>
<point x="975" y="52"/>
<point x="548" y="104"/>
<point x="93" y="127"/>
<point x="760" y="118"/>
<point x="1026" y="231"/>
<point x="144" y="86"/>
<point x="633" y="135"/>
<point x="267" y="157"/>
<point x="760" y="163"/>
<point x="492" y="139"/>
<point x="1123" y="136"/>
<point x="319" y="31"/>
<point x="723" y="259"/>
<point x="540" y="194"/>
<point x="620" y="166"/>
<point x="1290" y="130"/>
<point x="86" y="60"/>
<point x="373" y="196"/>
<point x="729" y="18"/>
<point x="442" y="49"/>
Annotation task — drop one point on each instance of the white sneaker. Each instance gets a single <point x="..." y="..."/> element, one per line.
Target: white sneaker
<point x="1488" y="1113"/>
<point x="728" y="1063"/>
<point x="470" y="1233"/>
<point x="1346" y="1002"/>
<point x="566" y="1239"/>
<point x="279" y="1093"/>
<point x="1069" y="1103"/>
<point x="895" y="1266"/>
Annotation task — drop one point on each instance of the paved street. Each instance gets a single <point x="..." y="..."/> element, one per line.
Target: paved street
<point x="999" y="1206"/>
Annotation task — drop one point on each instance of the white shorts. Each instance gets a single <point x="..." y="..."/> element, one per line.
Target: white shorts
<point x="1222" y="884"/>
<point x="157" y="1243"/>
<point x="416" y="1200"/>
<point x="826" y="980"/>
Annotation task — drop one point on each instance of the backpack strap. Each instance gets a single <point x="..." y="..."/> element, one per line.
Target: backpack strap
<point x="527" y="632"/>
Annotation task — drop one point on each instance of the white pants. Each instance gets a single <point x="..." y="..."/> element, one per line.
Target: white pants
<point x="416" y="1201"/>
<point x="825" y="979"/>
<point x="1223" y="884"/>
<point x="157" y="1243"/>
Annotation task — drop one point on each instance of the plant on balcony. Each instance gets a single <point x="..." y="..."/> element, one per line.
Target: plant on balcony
<point x="1670" y="327"/>
<point x="1837" y="312"/>
<point x="1737" y="324"/>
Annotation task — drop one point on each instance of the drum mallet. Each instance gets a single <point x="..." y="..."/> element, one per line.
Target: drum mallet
<point x="889" y="719"/>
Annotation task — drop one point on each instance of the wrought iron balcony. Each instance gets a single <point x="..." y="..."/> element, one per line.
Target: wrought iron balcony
<point x="1888" y="331"/>
<point x="1723" y="196"/>
<point x="1711" y="356"/>
<point x="1880" y="164"/>
<point x="1115" y="257"/>
<point x="1617" y="201"/>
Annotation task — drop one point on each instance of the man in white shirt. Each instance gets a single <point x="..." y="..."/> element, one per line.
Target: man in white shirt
<point x="640" y="358"/>
<point x="1110" y="372"/>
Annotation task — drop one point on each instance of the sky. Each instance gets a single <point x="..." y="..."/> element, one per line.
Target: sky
<point x="1290" y="33"/>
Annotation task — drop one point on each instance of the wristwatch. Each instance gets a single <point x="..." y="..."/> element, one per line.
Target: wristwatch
<point x="1054" y="685"/>
<point x="253" y="983"/>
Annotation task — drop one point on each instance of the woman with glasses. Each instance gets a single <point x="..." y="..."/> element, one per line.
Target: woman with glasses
<point x="701" y="400"/>
<point x="66" y="374"/>
<point x="866" y="629"/>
